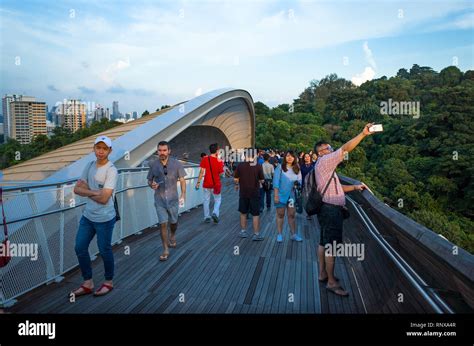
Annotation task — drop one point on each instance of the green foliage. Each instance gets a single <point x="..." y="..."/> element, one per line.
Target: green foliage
<point x="427" y="161"/>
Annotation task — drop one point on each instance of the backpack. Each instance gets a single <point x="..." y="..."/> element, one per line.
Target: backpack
<point x="313" y="198"/>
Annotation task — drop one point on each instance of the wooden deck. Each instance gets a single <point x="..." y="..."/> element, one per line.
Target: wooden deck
<point x="204" y="275"/>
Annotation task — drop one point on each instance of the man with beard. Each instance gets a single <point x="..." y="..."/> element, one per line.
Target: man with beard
<point x="162" y="177"/>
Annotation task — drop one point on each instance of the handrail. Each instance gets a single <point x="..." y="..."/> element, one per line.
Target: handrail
<point x="32" y="185"/>
<point x="417" y="282"/>
<point x="51" y="212"/>
<point x="435" y="250"/>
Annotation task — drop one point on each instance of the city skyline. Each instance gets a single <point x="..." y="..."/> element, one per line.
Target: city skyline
<point x="149" y="54"/>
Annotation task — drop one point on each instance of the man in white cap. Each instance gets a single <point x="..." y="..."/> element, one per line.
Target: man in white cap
<point x="97" y="182"/>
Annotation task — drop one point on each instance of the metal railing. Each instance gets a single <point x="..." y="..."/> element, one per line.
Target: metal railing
<point x="46" y="216"/>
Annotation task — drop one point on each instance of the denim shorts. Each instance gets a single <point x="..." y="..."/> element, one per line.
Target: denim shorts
<point x="166" y="215"/>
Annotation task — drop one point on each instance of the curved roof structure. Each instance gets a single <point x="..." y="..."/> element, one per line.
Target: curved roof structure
<point x="229" y="110"/>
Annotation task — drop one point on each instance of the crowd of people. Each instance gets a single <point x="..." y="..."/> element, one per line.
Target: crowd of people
<point x="261" y="175"/>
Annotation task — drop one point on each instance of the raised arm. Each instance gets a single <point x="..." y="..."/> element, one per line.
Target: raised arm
<point x="350" y="145"/>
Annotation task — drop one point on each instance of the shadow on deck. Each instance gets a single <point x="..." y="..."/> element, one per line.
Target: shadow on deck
<point x="204" y="275"/>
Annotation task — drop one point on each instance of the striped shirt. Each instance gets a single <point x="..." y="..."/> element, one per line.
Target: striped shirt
<point x="324" y="168"/>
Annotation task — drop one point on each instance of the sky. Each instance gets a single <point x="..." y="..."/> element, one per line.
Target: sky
<point x="145" y="54"/>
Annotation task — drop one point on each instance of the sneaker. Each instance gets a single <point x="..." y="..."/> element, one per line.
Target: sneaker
<point x="296" y="237"/>
<point x="207" y="220"/>
<point x="215" y="218"/>
<point x="257" y="237"/>
<point x="279" y="238"/>
<point x="243" y="234"/>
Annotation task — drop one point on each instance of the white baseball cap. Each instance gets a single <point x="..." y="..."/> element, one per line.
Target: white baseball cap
<point x="107" y="141"/>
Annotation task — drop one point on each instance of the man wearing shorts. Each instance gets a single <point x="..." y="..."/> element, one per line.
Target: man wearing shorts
<point x="162" y="177"/>
<point x="330" y="217"/>
<point x="248" y="177"/>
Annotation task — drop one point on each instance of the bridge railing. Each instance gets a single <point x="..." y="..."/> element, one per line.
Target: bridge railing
<point x="439" y="269"/>
<point x="43" y="220"/>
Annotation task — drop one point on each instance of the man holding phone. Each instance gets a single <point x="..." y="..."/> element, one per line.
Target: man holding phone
<point x="330" y="217"/>
<point x="162" y="177"/>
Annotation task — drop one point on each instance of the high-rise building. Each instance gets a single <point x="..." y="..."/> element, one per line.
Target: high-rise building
<point x="7" y="121"/>
<point x="115" y="110"/>
<point x="28" y="119"/>
<point x="100" y="113"/>
<point x="72" y="115"/>
<point x="135" y="115"/>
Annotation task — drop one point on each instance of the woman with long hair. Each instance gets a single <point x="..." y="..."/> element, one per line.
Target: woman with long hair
<point x="286" y="175"/>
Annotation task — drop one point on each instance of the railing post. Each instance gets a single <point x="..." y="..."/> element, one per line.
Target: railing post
<point x="61" y="230"/>
<point x="43" y="240"/>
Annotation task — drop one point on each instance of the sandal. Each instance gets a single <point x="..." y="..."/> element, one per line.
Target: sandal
<point x="85" y="291"/>
<point x="336" y="289"/>
<point x="164" y="257"/>
<point x="104" y="285"/>
<point x="172" y="244"/>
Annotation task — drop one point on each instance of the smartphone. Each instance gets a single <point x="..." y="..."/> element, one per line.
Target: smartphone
<point x="376" y="128"/>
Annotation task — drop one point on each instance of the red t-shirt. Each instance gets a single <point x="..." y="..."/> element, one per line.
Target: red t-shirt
<point x="217" y="167"/>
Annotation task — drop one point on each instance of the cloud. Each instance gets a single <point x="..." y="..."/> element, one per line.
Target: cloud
<point x="157" y="46"/>
<point x="368" y="55"/>
<point x="465" y="22"/>
<point x="52" y="88"/>
<point x="117" y="89"/>
<point x="111" y="71"/>
<point x="142" y="92"/>
<point x="86" y="90"/>
<point x="368" y="74"/>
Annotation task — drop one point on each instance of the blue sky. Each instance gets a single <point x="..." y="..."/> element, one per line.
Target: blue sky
<point x="148" y="53"/>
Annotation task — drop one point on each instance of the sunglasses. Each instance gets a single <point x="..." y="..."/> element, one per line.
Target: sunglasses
<point x="165" y="170"/>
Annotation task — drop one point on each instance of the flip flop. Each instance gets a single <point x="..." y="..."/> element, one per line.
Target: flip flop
<point x="326" y="279"/>
<point x="85" y="291"/>
<point x="337" y="288"/>
<point x="109" y="288"/>
<point x="172" y="244"/>
<point x="164" y="257"/>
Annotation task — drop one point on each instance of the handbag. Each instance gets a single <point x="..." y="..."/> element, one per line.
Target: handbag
<point x="6" y="243"/>
<point x="315" y="199"/>
<point x="217" y="188"/>
<point x="298" y="198"/>
<point x="117" y="214"/>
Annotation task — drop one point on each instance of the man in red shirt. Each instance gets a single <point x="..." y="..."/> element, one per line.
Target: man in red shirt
<point x="212" y="168"/>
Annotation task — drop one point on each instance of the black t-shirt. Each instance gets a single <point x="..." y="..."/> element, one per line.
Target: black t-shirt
<point x="249" y="176"/>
